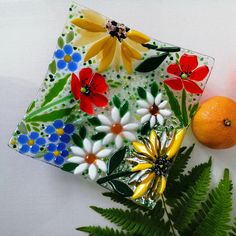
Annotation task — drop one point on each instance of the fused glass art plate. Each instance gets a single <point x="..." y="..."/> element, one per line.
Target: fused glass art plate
<point x="114" y="105"/>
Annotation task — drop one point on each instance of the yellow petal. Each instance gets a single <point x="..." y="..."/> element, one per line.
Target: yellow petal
<point x="142" y="166"/>
<point x="154" y="142"/>
<point x="126" y="61"/>
<point x="162" y="185"/>
<point x="108" y="54"/>
<point x="143" y="149"/>
<point x="96" y="48"/>
<point x="94" y="16"/>
<point x="143" y="187"/>
<point x="175" y="144"/>
<point x="131" y="52"/>
<point x="138" y="36"/>
<point x="87" y="25"/>
<point x="139" y="47"/>
<point x="117" y="57"/>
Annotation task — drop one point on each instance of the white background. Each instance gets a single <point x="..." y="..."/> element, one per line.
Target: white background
<point x="39" y="200"/>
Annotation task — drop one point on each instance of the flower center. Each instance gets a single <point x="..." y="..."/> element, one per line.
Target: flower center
<point x="161" y="166"/>
<point x="117" y="30"/>
<point x="184" y="76"/>
<point x="60" y="131"/>
<point x="154" y="109"/>
<point x="56" y="153"/>
<point x="116" y="128"/>
<point x="90" y="158"/>
<point x="67" y="58"/>
<point x="30" y="142"/>
<point x="85" y="90"/>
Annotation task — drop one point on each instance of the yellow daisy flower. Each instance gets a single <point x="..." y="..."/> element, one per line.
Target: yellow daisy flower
<point x="110" y="41"/>
<point x="154" y="157"/>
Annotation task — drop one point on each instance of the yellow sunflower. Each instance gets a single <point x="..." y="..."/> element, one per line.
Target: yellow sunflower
<point x="110" y="41"/>
<point x="153" y="158"/>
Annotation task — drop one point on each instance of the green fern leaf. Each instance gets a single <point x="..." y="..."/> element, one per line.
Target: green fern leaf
<point x="233" y="229"/>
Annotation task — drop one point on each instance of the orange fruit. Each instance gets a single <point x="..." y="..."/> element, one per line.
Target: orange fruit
<point x="214" y="124"/>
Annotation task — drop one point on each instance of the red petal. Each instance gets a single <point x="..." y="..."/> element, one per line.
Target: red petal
<point x="192" y="87"/>
<point x="75" y="86"/>
<point x="99" y="100"/>
<point x="188" y="63"/>
<point x="98" y="84"/>
<point x="174" y="69"/>
<point x="200" y="73"/>
<point x="85" y="76"/>
<point x="174" y="83"/>
<point x="86" y="104"/>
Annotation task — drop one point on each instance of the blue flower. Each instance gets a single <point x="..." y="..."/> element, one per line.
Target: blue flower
<point x="60" y="131"/>
<point x="31" y="143"/>
<point x="67" y="58"/>
<point x="56" y="153"/>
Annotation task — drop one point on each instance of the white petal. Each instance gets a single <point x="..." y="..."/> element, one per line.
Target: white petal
<point x="150" y="98"/>
<point x="101" y="165"/>
<point x="142" y="111"/>
<point x="160" y="119"/>
<point x="104" y="120"/>
<point x="81" y="168"/>
<point x="145" y="118"/>
<point x="92" y="172"/>
<point x="125" y="119"/>
<point x="128" y="135"/>
<point x="162" y="104"/>
<point x="77" y="150"/>
<point x="104" y="153"/>
<point x="97" y="146"/>
<point x="158" y="99"/>
<point x="130" y="126"/>
<point x="115" y="114"/>
<point x="118" y="141"/>
<point x="87" y="145"/>
<point x="165" y="112"/>
<point x="103" y="128"/>
<point x="143" y="104"/>
<point x="152" y="121"/>
<point x="75" y="159"/>
<point x="108" y="138"/>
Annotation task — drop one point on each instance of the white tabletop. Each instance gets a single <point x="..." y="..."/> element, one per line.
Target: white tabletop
<point x="37" y="199"/>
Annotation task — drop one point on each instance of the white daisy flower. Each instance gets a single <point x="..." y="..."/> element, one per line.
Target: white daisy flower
<point x="117" y="128"/>
<point x="153" y="109"/>
<point x="89" y="158"/>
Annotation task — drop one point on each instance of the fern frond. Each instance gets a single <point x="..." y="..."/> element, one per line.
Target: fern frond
<point x="99" y="231"/>
<point x="134" y="222"/>
<point x="214" y="216"/>
<point x="233" y="229"/>
<point x="188" y="204"/>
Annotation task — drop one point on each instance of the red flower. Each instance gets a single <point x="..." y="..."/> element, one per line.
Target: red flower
<point x="186" y="73"/>
<point x="89" y="89"/>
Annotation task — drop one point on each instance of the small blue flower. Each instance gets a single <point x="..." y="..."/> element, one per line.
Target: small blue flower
<point x="60" y="131"/>
<point x="67" y="58"/>
<point x="56" y="153"/>
<point x="31" y="143"/>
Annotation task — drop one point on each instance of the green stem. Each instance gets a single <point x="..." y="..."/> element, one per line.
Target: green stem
<point x="41" y="109"/>
<point x="114" y="176"/>
<point x="168" y="215"/>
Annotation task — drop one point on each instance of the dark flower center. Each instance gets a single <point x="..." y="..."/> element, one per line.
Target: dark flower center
<point x="162" y="166"/>
<point x="117" y="30"/>
<point x="85" y="90"/>
<point x="154" y="109"/>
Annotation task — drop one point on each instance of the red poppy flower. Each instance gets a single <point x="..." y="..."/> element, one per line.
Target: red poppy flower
<point x="186" y="74"/>
<point x="89" y="88"/>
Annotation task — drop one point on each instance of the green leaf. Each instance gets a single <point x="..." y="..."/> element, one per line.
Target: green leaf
<point x="69" y="37"/>
<point x="154" y="89"/>
<point x="82" y="132"/>
<point x="51" y="116"/>
<point x="22" y="128"/>
<point x="121" y="188"/>
<point x="31" y="107"/>
<point x="60" y="42"/>
<point x="174" y="104"/>
<point x="114" y="176"/>
<point x="98" y="136"/>
<point x="233" y="229"/>
<point x="194" y="110"/>
<point x="94" y="121"/>
<point x="69" y="167"/>
<point x="184" y="110"/>
<point x="124" y="109"/>
<point x="77" y="140"/>
<point x="142" y="93"/>
<point x="116" y="159"/>
<point x="151" y="63"/>
<point x="52" y="67"/>
<point x="116" y="101"/>
<point x="55" y="90"/>
<point x="149" y="46"/>
<point x="145" y="128"/>
<point x="169" y="49"/>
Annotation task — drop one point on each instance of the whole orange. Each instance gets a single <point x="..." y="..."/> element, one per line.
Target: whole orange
<point x="214" y="124"/>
